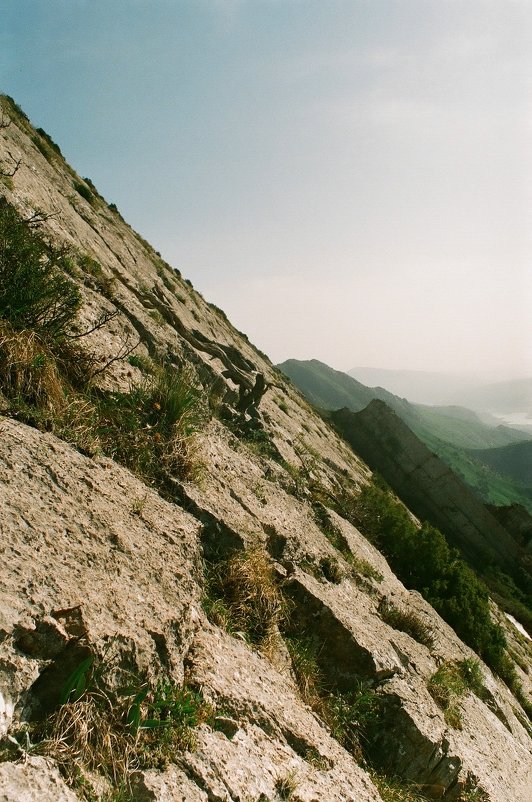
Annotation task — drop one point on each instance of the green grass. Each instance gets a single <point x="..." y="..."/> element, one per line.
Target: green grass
<point x="450" y="682"/>
<point x="407" y="621"/>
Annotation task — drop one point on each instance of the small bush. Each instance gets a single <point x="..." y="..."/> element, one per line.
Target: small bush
<point x="83" y="190"/>
<point x="408" y="622"/>
<point x="34" y="291"/>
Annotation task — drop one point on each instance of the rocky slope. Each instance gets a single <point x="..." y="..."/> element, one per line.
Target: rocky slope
<point x="103" y="586"/>
<point x="420" y="477"/>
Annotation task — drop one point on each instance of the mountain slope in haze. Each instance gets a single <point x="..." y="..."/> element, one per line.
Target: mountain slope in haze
<point x="420" y="387"/>
<point x="451" y="432"/>
<point x="502" y="397"/>
<point x="165" y="578"/>
<point x="437" y="389"/>
<point x="332" y="389"/>
<point x="514" y="461"/>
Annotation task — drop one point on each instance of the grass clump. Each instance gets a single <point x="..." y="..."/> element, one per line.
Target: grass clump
<point x="242" y="596"/>
<point x="406" y="621"/>
<point x="450" y="682"/>
<point x="353" y="717"/>
<point x="115" y="732"/>
<point x="286" y="786"/>
<point x="396" y="789"/>
<point x="151" y="429"/>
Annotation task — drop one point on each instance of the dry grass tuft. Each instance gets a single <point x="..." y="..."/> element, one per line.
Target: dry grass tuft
<point x="89" y="735"/>
<point x="28" y="370"/>
<point x="243" y="597"/>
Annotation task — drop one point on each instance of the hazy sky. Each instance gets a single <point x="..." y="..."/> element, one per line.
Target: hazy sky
<point x="349" y="180"/>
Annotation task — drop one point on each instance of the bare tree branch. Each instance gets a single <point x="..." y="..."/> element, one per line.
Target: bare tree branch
<point x="124" y="352"/>
<point x="15" y="168"/>
<point x="39" y="216"/>
<point x="104" y="318"/>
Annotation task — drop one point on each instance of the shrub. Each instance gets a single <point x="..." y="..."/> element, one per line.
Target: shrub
<point x="423" y="560"/>
<point x="83" y="190"/>
<point x="450" y="682"/>
<point x="34" y="291"/>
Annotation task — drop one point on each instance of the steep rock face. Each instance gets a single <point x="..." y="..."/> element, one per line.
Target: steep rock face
<point x="95" y="563"/>
<point x="426" y="484"/>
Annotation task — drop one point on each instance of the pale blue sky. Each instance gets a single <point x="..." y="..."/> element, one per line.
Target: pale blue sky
<point x="349" y="180"/>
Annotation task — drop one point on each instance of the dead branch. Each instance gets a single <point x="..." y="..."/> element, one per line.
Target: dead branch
<point x="17" y="163"/>
<point x="124" y="352"/>
<point x="104" y="318"/>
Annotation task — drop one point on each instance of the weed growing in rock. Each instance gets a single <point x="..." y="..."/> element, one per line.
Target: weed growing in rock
<point x="450" y="682"/>
<point x="335" y="537"/>
<point x="352" y="717"/>
<point x="241" y="595"/>
<point x="115" y="731"/>
<point x="286" y="786"/>
<point x="406" y="621"/>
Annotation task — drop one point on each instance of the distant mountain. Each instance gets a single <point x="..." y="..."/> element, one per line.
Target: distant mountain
<point x="502" y="397"/>
<point x="424" y="387"/>
<point x="454" y="433"/>
<point x="421" y="387"/>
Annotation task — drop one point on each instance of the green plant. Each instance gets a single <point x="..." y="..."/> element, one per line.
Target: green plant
<point x="83" y="190"/>
<point x="397" y="789"/>
<point x="406" y="621"/>
<point x="114" y="730"/>
<point x="143" y="363"/>
<point x="35" y="294"/>
<point x="152" y="428"/>
<point x="423" y="560"/>
<point x="93" y="275"/>
<point x="450" y="682"/>
<point x="353" y="716"/>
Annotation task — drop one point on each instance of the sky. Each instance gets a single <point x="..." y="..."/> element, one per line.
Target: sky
<point x="350" y="180"/>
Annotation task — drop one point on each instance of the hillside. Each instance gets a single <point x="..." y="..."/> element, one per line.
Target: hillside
<point x="514" y="461"/>
<point x="193" y="600"/>
<point x="456" y="434"/>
